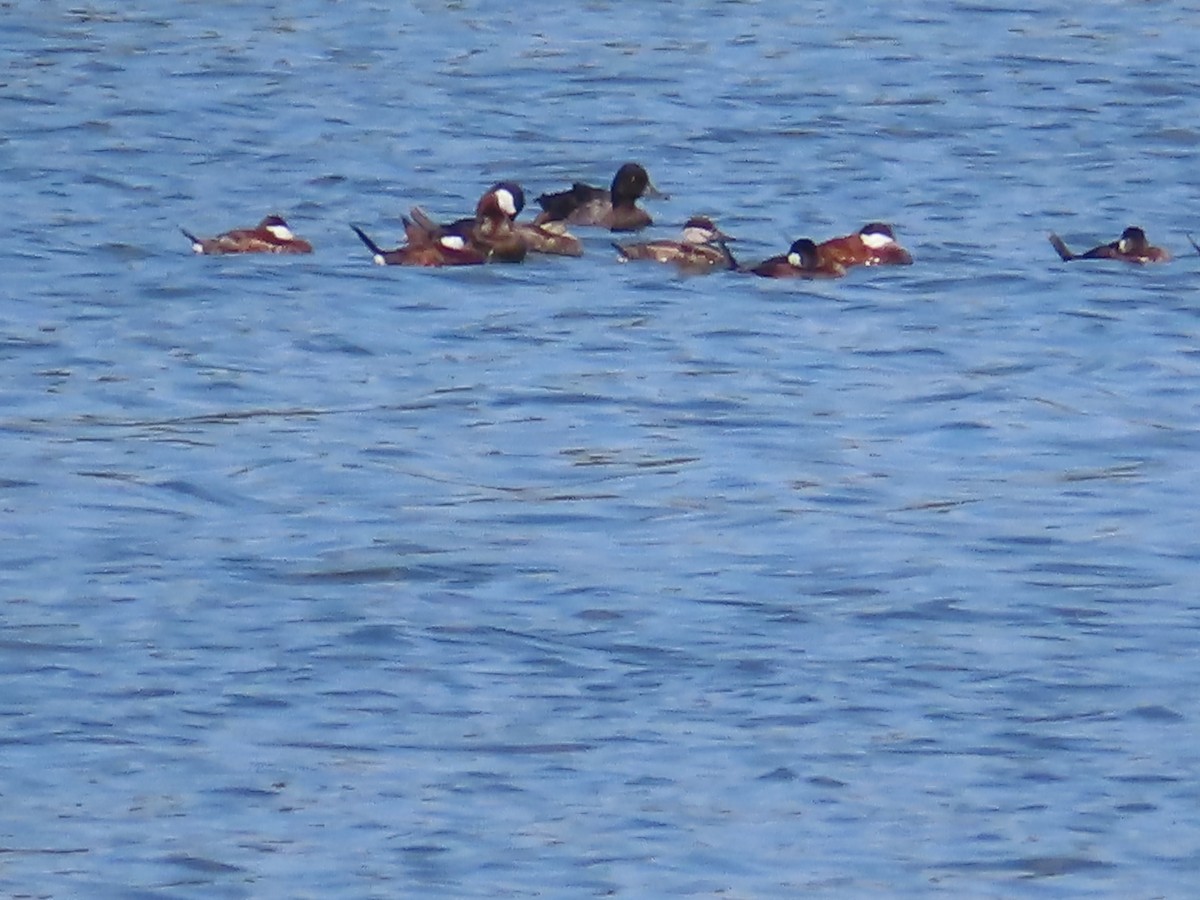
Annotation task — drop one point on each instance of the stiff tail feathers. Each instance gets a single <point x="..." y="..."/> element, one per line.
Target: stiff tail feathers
<point x="197" y="244"/>
<point x="1063" y="253"/>
<point x="376" y="252"/>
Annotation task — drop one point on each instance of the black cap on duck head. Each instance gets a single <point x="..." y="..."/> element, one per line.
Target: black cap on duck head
<point x="1132" y="239"/>
<point x="803" y="254"/>
<point x="877" y="234"/>
<point x="515" y="200"/>
<point x="702" y="230"/>
<point x="277" y="227"/>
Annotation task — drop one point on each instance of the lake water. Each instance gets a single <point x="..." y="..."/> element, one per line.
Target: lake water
<point x="586" y="579"/>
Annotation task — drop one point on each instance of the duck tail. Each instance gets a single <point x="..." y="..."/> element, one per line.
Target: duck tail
<point x="1063" y="253"/>
<point x="197" y="245"/>
<point x="376" y="252"/>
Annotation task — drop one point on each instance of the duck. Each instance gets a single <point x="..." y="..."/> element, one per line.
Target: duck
<point x="550" y="238"/>
<point x="424" y="248"/>
<point x="553" y="238"/>
<point x="615" y="209"/>
<point x="490" y="231"/>
<point x="803" y="260"/>
<point x="1131" y="247"/>
<point x="701" y="248"/>
<point x="271" y="235"/>
<point x="872" y="245"/>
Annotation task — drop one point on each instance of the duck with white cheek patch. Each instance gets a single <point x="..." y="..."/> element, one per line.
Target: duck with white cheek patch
<point x="803" y="260"/>
<point x="271" y="235"/>
<point x="424" y="246"/>
<point x="1131" y="247"/>
<point x="701" y="248"/>
<point x="491" y="231"/>
<point x="872" y="245"/>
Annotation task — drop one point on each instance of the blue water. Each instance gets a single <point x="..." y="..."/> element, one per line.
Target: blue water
<point x="579" y="578"/>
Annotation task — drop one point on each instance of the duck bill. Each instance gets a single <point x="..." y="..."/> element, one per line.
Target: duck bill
<point x="652" y="191"/>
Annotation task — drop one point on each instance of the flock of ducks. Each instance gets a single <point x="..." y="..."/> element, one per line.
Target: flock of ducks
<point x="493" y="234"/>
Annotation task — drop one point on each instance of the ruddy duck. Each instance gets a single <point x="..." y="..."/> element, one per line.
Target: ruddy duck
<point x="803" y="260"/>
<point x="551" y="238"/>
<point x="615" y="209"/>
<point x="271" y="235"/>
<point x="701" y="249"/>
<point x="424" y="248"/>
<point x="1130" y="247"/>
<point x="873" y="245"/>
<point x="490" y="231"/>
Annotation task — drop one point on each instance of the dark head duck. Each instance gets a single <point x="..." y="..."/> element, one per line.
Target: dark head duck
<point x="615" y="209"/>
<point x="1131" y="247"/>
<point x="271" y="235"/>
<point x="700" y="249"/>
<point x="872" y="245"/>
<point x="803" y="260"/>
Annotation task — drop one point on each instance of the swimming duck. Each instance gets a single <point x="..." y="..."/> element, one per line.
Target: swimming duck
<point x="803" y="260"/>
<point x="1130" y="247"/>
<point x="615" y="209"/>
<point x="271" y="235"/>
<point x="872" y="245"/>
<point x="552" y="238"/>
<point x="424" y="248"/>
<point x="700" y="249"/>
<point x="490" y="231"/>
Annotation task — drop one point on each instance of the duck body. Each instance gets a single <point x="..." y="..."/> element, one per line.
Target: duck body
<point x="271" y="235"/>
<point x="701" y="248"/>
<point x="551" y="238"/>
<point x="872" y="245"/>
<point x="491" y="231"/>
<point x="803" y="260"/>
<point x="423" y="248"/>
<point x="615" y="209"/>
<point x="1131" y="247"/>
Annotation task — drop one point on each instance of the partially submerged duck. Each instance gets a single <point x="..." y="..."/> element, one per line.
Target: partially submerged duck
<point x="423" y="247"/>
<point x="615" y="208"/>
<point x="488" y="230"/>
<point x="872" y="245"/>
<point x="1131" y="247"/>
<point x="701" y="248"/>
<point x="803" y="260"/>
<point x="271" y="235"/>
<point x="551" y="238"/>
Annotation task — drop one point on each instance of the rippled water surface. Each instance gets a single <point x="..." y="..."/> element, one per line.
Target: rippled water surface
<point x="579" y="578"/>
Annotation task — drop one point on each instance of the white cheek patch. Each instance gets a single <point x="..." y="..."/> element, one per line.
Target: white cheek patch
<point x="453" y="242"/>
<point x="795" y="261"/>
<point x="697" y="235"/>
<point x="507" y="203"/>
<point x="1123" y="246"/>
<point x="876" y="241"/>
<point x="281" y="232"/>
